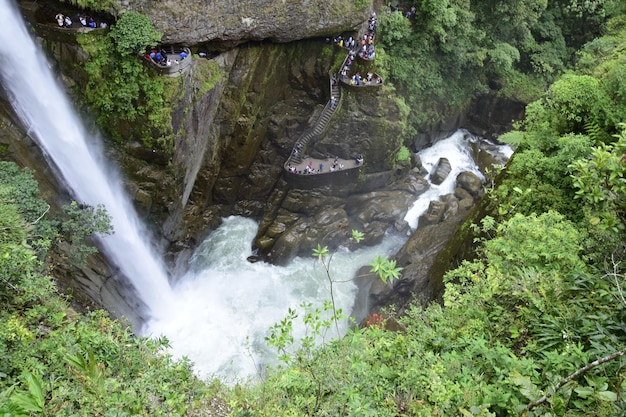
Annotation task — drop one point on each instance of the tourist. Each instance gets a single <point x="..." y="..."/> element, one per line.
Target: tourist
<point x="83" y="20"/>
<point x="91" y="23"/>
<point x="60" y="19"/>
<point x="103" y="25"/>
<point x="182" y="55"/>
<point x="333" y="102"/>
<point x="321" y="167"/>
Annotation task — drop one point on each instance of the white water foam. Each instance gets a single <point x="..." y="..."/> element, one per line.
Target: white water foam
<point x="225" y="304"/>
<point x="458" y="150"/>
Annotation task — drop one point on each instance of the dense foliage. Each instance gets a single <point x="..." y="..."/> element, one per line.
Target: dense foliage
<point x="130" y="102"/>
<point x="452" y="49"/>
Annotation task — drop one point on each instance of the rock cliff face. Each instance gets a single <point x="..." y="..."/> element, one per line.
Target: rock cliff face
<point x="226" y="23"/>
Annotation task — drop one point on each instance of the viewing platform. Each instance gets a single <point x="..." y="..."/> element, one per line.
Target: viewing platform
<point x="169" y="61"/>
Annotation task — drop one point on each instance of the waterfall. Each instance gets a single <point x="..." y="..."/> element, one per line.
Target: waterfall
<point x="46" y="112"/>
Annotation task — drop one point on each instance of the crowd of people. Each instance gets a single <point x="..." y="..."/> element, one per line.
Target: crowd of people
<point x="162" y="58"/>
<point x="309" y="169"/>
<point x="366" y="50"/>
<point x="347" y="43"/>
<point x="65" y="21"/>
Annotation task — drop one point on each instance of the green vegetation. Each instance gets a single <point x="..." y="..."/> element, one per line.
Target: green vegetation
<point x="361" y="4"/>
<point x="453" y="49"/>
<point x="109" y="6"/>
<point x="128" y="99"/>
<point x="403" y="154"/>
<point x="209" y="72"/>
<point x="134" y="33"/>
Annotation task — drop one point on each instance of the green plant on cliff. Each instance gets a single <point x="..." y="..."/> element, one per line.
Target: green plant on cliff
<point x="128" y="98"/>
<point x="209" y="74"/>
<point x="109" y="6"/>
<point x="361" y="4"/>
<point x="403" y="154"/>
<point x="133" y="33"/>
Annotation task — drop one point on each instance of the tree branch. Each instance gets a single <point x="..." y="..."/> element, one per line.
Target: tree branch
<point x="27" y="224"/>
<point x="575" y="375"/>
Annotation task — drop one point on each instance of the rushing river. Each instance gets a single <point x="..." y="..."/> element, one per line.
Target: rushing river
<point x="218" y="314"/>
<point x="225" y="305"/>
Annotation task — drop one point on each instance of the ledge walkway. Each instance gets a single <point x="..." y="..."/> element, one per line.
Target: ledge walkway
<point x="297" y="159"/>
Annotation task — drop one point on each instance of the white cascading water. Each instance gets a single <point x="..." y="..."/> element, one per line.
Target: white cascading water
<point x="225" y="305"/>
<point x="217" y="314"/>
<point x="51" y="121"/>
<point x="457" y="149"/>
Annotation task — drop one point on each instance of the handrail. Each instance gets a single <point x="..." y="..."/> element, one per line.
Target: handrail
<point x="331" y="107"/>
<point x="320" y="125"/>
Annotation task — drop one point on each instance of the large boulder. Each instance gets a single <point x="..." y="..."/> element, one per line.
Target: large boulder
<point x="470" y="182"/>
<point x="328" y="228"/>
<point x="440" y="171"/>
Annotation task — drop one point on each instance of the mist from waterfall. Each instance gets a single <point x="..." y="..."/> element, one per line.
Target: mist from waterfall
<point x="46" y="112"/>
<point x="217" y="314"/>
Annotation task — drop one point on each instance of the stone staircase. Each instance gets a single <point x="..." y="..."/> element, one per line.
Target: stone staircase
<point x="301" y="145"/>
<point x="317" y="130"/>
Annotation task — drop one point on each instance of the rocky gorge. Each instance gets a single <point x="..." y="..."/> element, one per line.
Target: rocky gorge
<point x="231" y="141"/>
